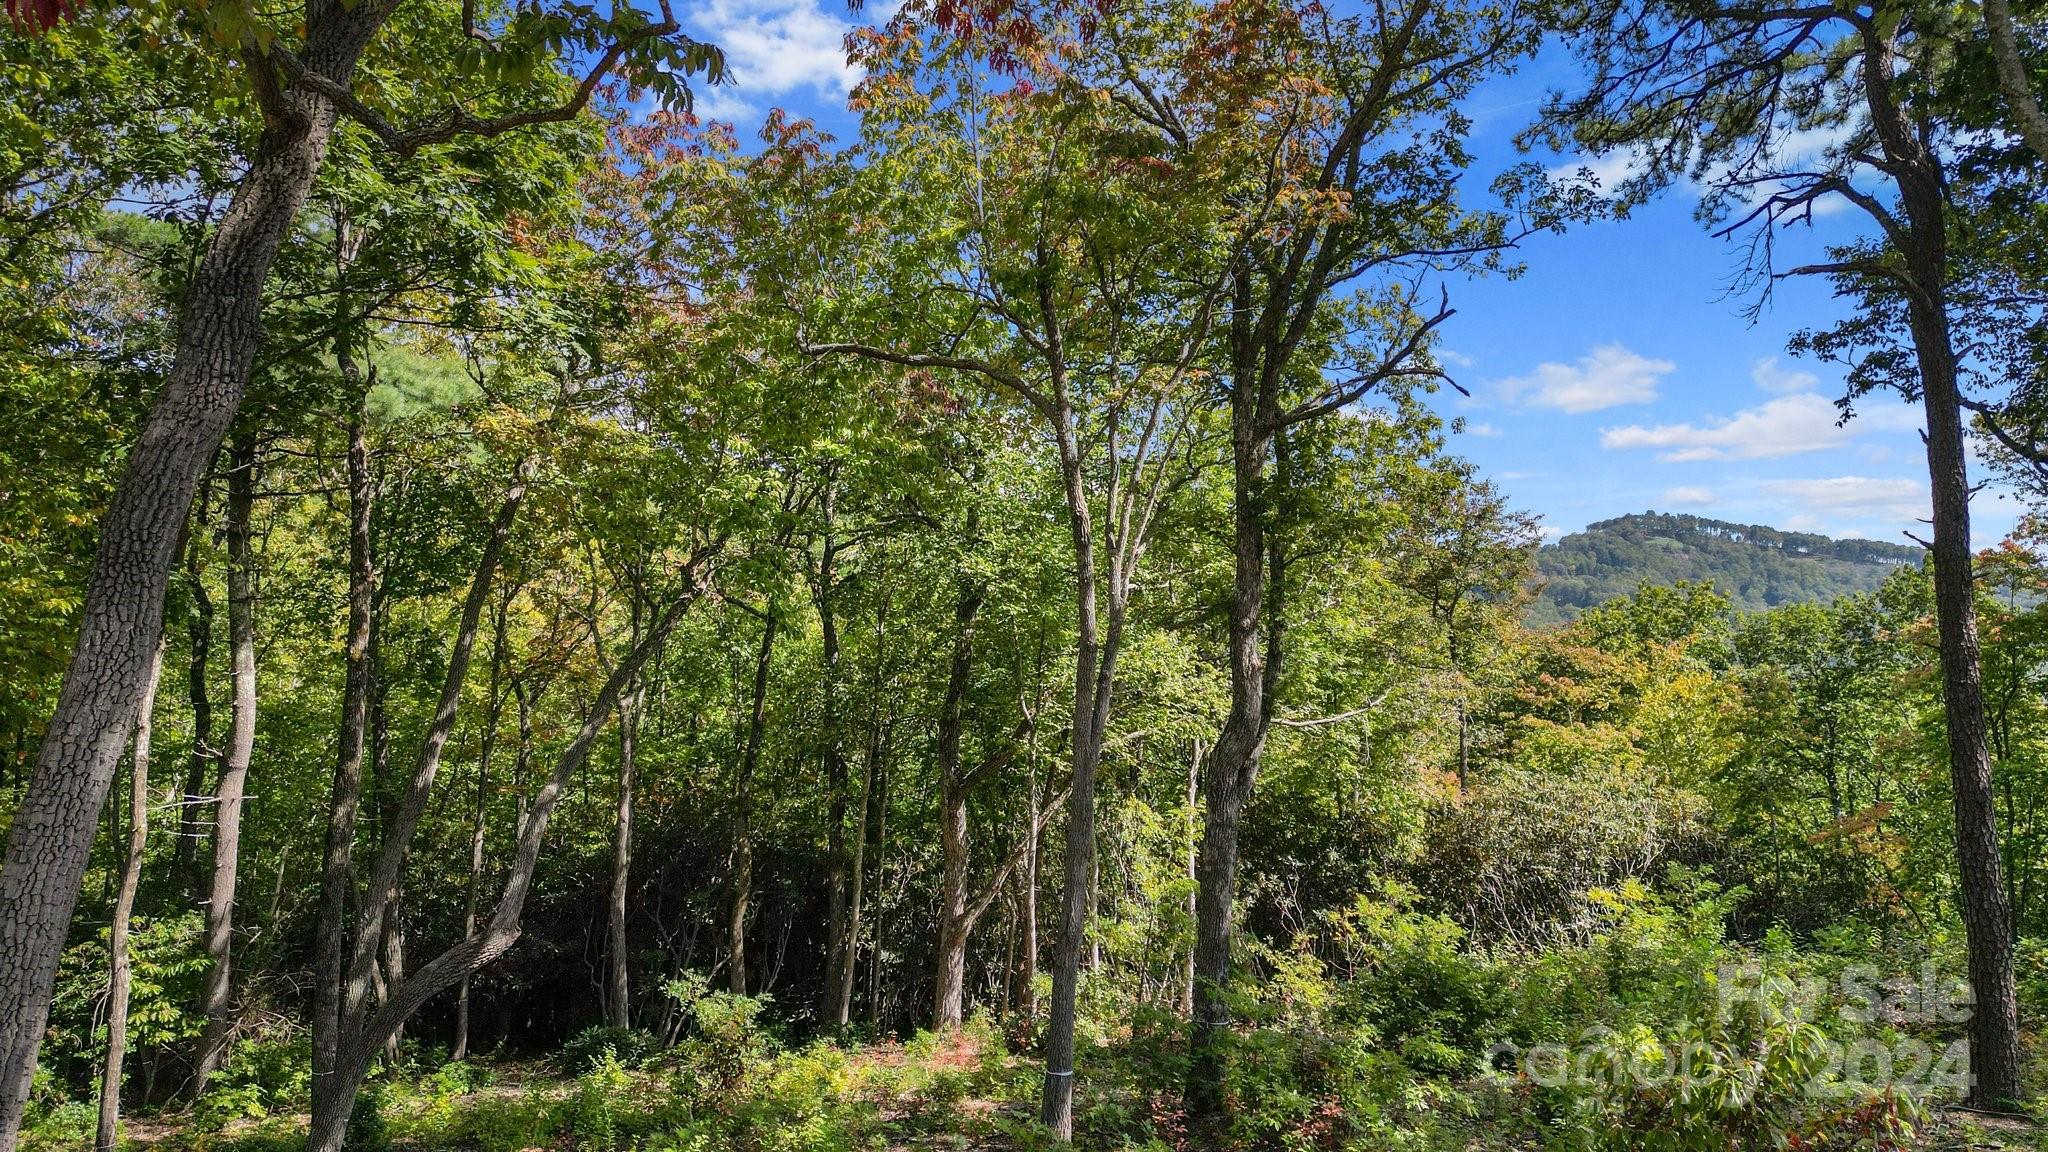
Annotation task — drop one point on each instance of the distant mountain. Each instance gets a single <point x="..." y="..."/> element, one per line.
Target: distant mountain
<point x="1753" y="565"/>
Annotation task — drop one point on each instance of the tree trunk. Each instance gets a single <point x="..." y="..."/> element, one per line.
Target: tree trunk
<point x="742" y="831"/>
<point x="382" y="945"/>
<point x="949" y="990"/>
<point x="199" y="631"/>
<point x="1027" y="908"/>
<point x="124" y="907"/>
<point x="338" y="869"/>
<point x="363" y="1034"/>
<point x="618" y="987"/>
<point x="849" y="955"/>
<point x="837" y="862"/>
<point x="1094" y="667"/>
<point x="486" y="745"/>
<point x="1987" y="910"/>
<point x="391" y="965"/>
<point x="841" y="977"/>
<point x="1233" y="767"/>
<point x="374" y="938"/>
<point x="218" y="334"/>
<point x="880" y="785"/>
<point x="216" y="1000"/>
<point x="2027" y="116"/>
<point x="1186" y="1002"/>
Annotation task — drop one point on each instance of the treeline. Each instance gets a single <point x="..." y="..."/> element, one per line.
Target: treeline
<point x="1756" y="566"/>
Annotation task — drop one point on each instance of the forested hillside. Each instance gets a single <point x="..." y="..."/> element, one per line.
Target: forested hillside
<point x="533" y="618"/>
<point x="1755" y="566"/>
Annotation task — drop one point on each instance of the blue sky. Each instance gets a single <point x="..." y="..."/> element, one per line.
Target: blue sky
<point x="1618" y="374"/>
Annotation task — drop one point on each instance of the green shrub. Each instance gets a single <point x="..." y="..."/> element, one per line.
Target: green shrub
<point x="725" y="1039"/>
<point x="366" y="1128"/>
<point x="262" y="1075"/>
<point x="628" y="1046"/>
<point x="67" y="1126"/>
<point x="507" y="1124"/>
<point x="603" y="1099"/>
<point x="1409" y="981"/>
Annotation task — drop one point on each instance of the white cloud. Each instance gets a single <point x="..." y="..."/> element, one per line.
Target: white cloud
<point x="1687" y="497"/>
<point x="1610" y="169"/>
<point x="1785" y="426"/>
<point x="773" y="48"/>
<point x="1788" y="150"/>
<point x="1549" y="532"/>
<point x="1770" y="377"/>
<point x="1608" y="376"/>
<point x="1489" y="431"/>
<point x="1454" y="358"/>
<point x="1896" y="500"/>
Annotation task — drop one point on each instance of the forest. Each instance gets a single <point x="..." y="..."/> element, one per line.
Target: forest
<point x="534" y="618"/>
<point x="1754" y="565"/>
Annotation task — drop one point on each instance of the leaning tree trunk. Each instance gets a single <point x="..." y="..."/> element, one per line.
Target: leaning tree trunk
<point x="218" y="334"/>
<point x="216" y="999"/>
<point x="350" y="959"/>
<point x="362" y="1034"/>
<point x="2027" y="116"/>
<point x="742" y="824"/>
<point x="337" y="879"/>
<point x="487" y="745"/>
<point x="124" y="907"/>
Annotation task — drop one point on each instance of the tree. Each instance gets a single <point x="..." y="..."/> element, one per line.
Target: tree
<point x="107" y="1136"/>
<point x="1342" y="153"/>
<point x="234" y="768"/>
<point x="302" y="84"/>
<point x="1713" y="91"/>
<point x="1082" y="296"/>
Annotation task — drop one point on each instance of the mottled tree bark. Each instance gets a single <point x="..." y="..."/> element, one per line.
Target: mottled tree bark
<point x="1094" y="672"/>
<point x="2027" y="115"/>
<point x="220" y="328"/>
<point x="1233" y="765"/>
